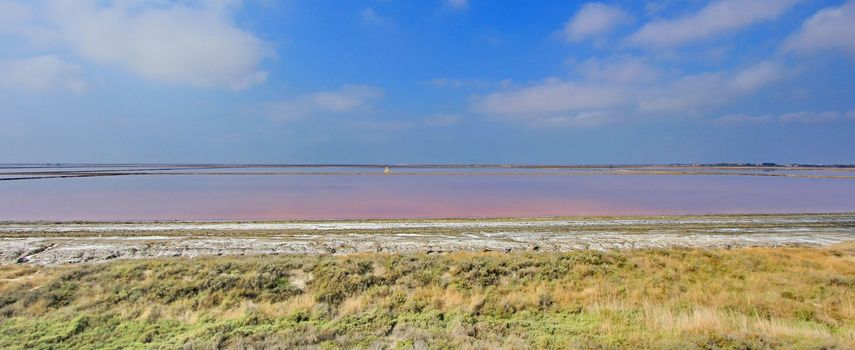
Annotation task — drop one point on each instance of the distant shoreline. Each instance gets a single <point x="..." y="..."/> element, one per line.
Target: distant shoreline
<point x="427" y="165"/>
<point x="16" y="172"/>
<point x="437" y="219"/>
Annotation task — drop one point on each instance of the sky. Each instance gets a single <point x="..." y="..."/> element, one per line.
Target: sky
<point x="433" y="81"/>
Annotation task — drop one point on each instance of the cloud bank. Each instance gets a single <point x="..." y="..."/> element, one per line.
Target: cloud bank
<point x="625" y="87"/>
<point x="802" y="117"/>
<point x="830" y="28"/>
<point x="630" y="83"/>
<point x="174" y="43"/>
<point x="183" y="42"/>
<point x="716" y="18"/>
<point x="348" y="98"/>
<point x="41" y="73"/>
<point x="593" y="20"/>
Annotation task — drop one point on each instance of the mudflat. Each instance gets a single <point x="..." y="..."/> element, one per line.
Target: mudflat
<point x="47" y="243"/>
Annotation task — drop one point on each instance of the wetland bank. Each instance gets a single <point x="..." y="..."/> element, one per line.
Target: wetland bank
<point x="58" y="243"/>
<point x="705" y="282"/>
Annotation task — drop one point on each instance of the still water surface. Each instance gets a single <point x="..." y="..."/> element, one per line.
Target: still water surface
<point x="451" y="193"/>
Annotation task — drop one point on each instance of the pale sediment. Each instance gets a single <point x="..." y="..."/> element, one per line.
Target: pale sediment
<point x="58" y="243"/>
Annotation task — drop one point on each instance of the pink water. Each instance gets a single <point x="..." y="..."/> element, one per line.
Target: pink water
<point x="271" y="197"/>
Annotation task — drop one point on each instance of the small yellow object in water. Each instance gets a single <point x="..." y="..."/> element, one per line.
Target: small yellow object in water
<point x="387" y="171"/>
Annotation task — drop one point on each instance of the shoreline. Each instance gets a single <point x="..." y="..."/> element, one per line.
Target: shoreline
<point x="430" y="219"/>
<point x="71" y="243"/>
<point x="19" y="172"/>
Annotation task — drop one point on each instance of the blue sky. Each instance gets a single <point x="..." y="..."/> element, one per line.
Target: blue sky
<point x="445" y="81"/>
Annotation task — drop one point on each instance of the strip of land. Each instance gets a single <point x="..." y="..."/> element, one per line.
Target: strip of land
<point x="45" y="243"/>
<point x="13" y="172"/>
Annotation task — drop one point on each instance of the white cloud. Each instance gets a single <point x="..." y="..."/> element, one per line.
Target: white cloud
<point x="558" y="103"/>
<point x="699" y="92"/>
<point x="579" y="120"/>
<point x="618" y="69"/>
<point x="457" y="4"/>
<point x="370" y="17"/>
<point x="13" y="15"/>
<point x="349" y="98"/>
<point x="594" y="19"/>
<point x="554" y="103"/>
<point x="382" y="125"/>
<point x="192" y="43"/>
<point x="687" y="95"/>
<point x="444" y="82"/>
<point x="736" y="119"/>
<point x="459" y="83"/>
<point x="551" y="96"/>
<point x="794" y="117"/>
<point x="757" y="75"/>
<point x="654" y="7"/>
<point x="41" y="73"/>
<point x="829" y="28"/>
<point x="809" y="117"/>
<point x="716" y="18"/>
<point x="625" y="86"/>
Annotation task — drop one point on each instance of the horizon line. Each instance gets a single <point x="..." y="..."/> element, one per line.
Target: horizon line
<point x="431" y="165"/>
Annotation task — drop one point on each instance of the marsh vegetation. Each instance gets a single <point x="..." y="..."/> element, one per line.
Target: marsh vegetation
<point x="651" y="298"/>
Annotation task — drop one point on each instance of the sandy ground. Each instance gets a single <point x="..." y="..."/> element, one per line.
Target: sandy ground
<point x="59" y="243"/>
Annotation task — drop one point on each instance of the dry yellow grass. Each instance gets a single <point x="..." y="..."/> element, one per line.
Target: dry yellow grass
<point x="675" y="298"/>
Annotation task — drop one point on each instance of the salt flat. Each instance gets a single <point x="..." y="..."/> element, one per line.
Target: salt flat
<point x="421" y="224"/>
<point x="57" y="243"/>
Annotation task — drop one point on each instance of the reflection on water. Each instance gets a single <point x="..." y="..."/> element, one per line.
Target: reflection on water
<point x="235" y="197"/>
